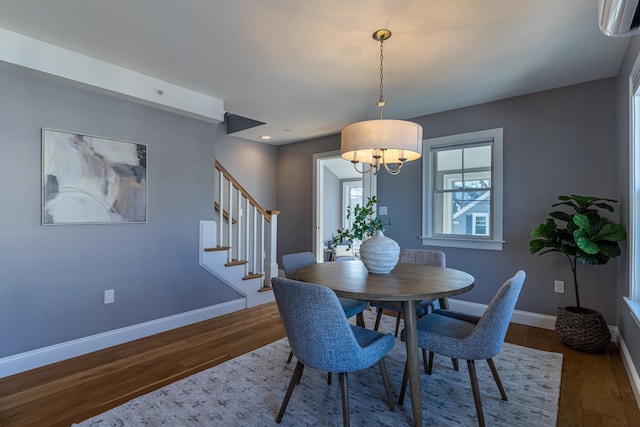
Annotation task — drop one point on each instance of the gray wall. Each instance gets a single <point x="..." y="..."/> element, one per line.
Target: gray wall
<point x="627" y="326"/>
<point x="555" y="142"/>
<point x="252" y="164"/>
<point x="332" y="219"/>
<point x="295" y="193"/>
<point x="52" y="278"/>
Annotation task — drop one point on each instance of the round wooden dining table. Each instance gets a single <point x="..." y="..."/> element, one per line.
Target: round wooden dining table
<point x="406" y="284"/>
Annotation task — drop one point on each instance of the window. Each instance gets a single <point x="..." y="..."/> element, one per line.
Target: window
<point x="480" y="224"/>
<point x="351" y="196"/>
<point x="462" y="199"/>
<point x="634" y="196"/>
<point x="634" y="186"/>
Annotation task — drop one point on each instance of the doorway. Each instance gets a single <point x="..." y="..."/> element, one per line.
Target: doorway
<point x="332" y="177"/>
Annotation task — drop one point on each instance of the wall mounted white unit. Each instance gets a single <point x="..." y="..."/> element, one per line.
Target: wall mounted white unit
<point x="619" y="18"/>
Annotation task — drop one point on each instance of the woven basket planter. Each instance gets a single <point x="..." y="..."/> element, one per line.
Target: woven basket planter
<point x="582" y="329"/>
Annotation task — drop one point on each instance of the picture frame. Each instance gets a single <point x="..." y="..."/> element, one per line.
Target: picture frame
<point x="89" y="179"/>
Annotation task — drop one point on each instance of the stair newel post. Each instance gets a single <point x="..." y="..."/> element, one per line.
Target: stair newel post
<point x="271" y="248"/>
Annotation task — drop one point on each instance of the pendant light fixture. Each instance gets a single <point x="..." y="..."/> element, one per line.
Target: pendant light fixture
<point x="383" y="141"/>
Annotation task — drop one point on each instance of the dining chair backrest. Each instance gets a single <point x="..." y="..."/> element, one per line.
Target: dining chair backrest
<point x="318" y="331"/>
<point x="486" y="339"/>
<point x="293" y="262"/>
<point x="423" y="256"/>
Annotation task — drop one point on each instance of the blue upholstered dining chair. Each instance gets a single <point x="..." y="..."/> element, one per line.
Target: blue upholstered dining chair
<point x="462" y="336"/>
<point x="352" y="307"/>
<point x="413" y="256"/>
<point x="321" y="338"/>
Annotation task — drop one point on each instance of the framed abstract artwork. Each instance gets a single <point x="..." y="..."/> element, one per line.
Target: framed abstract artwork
<point x="92" y="180"/>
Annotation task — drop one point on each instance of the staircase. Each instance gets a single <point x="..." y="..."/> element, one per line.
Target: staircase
<point x="240" y="247"/>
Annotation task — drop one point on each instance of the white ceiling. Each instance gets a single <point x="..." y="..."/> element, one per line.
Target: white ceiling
<point x="309" y="68"/>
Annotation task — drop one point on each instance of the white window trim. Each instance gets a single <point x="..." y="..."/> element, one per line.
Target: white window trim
<point x="470" y="242"/>
<point x="633" y="302"/>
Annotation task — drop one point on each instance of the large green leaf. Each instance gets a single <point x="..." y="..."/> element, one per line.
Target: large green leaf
<point x="611" y="232"/>
<point x="582" y="221"/>
<point x="585" y="243"/>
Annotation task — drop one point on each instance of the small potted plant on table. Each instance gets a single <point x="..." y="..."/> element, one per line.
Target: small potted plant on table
<point x="378" y="253"/>
<point x="585" y="237"/>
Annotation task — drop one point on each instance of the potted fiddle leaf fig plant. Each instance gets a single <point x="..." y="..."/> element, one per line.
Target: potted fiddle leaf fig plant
<point x="378" y="253"/>
<point x="586" y="237"/>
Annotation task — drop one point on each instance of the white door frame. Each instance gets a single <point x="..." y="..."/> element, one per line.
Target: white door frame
<point x="369" y="189"/>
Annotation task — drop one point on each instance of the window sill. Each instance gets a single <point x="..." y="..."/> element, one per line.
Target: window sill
<point x="634" y="308"/>
<point x="490" y="245"/>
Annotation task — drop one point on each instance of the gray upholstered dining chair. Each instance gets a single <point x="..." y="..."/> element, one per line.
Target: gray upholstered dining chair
<point x="352" y="307"/>
<point x="413" y="256"/>
<point x="462" y="336"/>
<point x="321" y="338"/>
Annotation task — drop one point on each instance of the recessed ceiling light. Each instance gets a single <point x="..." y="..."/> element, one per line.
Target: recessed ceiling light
<point x="265" y="137"/>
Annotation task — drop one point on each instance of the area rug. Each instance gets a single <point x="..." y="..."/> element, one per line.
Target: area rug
<point x="248" y="391"/>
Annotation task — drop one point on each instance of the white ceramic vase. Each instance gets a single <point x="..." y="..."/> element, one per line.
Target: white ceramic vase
<point x="379" y="253"/>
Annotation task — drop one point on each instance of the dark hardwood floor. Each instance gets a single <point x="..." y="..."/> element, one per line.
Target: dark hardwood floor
<point x="595" y="390"/>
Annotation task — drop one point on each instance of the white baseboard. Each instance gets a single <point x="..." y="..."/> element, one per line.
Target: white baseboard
<point x="44" y="356"/>
<point x="523" y="317"/>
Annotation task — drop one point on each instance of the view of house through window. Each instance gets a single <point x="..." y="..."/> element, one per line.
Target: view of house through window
<point x="462" y="200"/>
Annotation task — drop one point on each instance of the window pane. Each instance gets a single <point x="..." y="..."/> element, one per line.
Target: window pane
<point x="355" y="196"/>
<point x="463" y="213"/>
<point x="477" y="157"/>
<point x="449" y="160"/>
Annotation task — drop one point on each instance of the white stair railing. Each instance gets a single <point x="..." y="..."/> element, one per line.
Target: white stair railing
<point x="245" y="228"/>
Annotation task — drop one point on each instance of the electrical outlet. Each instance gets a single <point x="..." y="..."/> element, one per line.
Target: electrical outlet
<point x="558" y="287"/>
<point x="109" y="296"/>
<point x="382" y="210"/>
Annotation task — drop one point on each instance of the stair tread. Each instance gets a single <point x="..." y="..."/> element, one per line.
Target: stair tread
<point x="236" y="262"/>
<point x="252" y="276"/>
<point x="217" y="248"/>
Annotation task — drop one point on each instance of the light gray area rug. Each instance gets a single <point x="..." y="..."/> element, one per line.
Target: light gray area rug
<point x="248" y="391"/>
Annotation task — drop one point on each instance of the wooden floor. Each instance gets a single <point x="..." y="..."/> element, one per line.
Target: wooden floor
<point x="595" y="390"/>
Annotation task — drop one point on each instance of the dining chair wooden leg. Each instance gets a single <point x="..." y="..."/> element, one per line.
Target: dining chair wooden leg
<point x="378" y="317"/>
<point x="295" y="379"/>
<point x="424" y="360"/>
<point x="290" y="357"/>
<point x="387" y="386"/>
<point x="398" y="316"/>
<point x="345" y="398"/>
<point x="496" y="377"/>
<point x="329" y="378"/>
<point x="476" y="391"/>
<point x="360" y="320"/>
<point x="429" y="368"/>
<point x="454" y="362"/>
<point x="403" y="387"/>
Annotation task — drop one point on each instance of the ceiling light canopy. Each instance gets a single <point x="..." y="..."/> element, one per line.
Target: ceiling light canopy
<point x="383" y="141"/>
